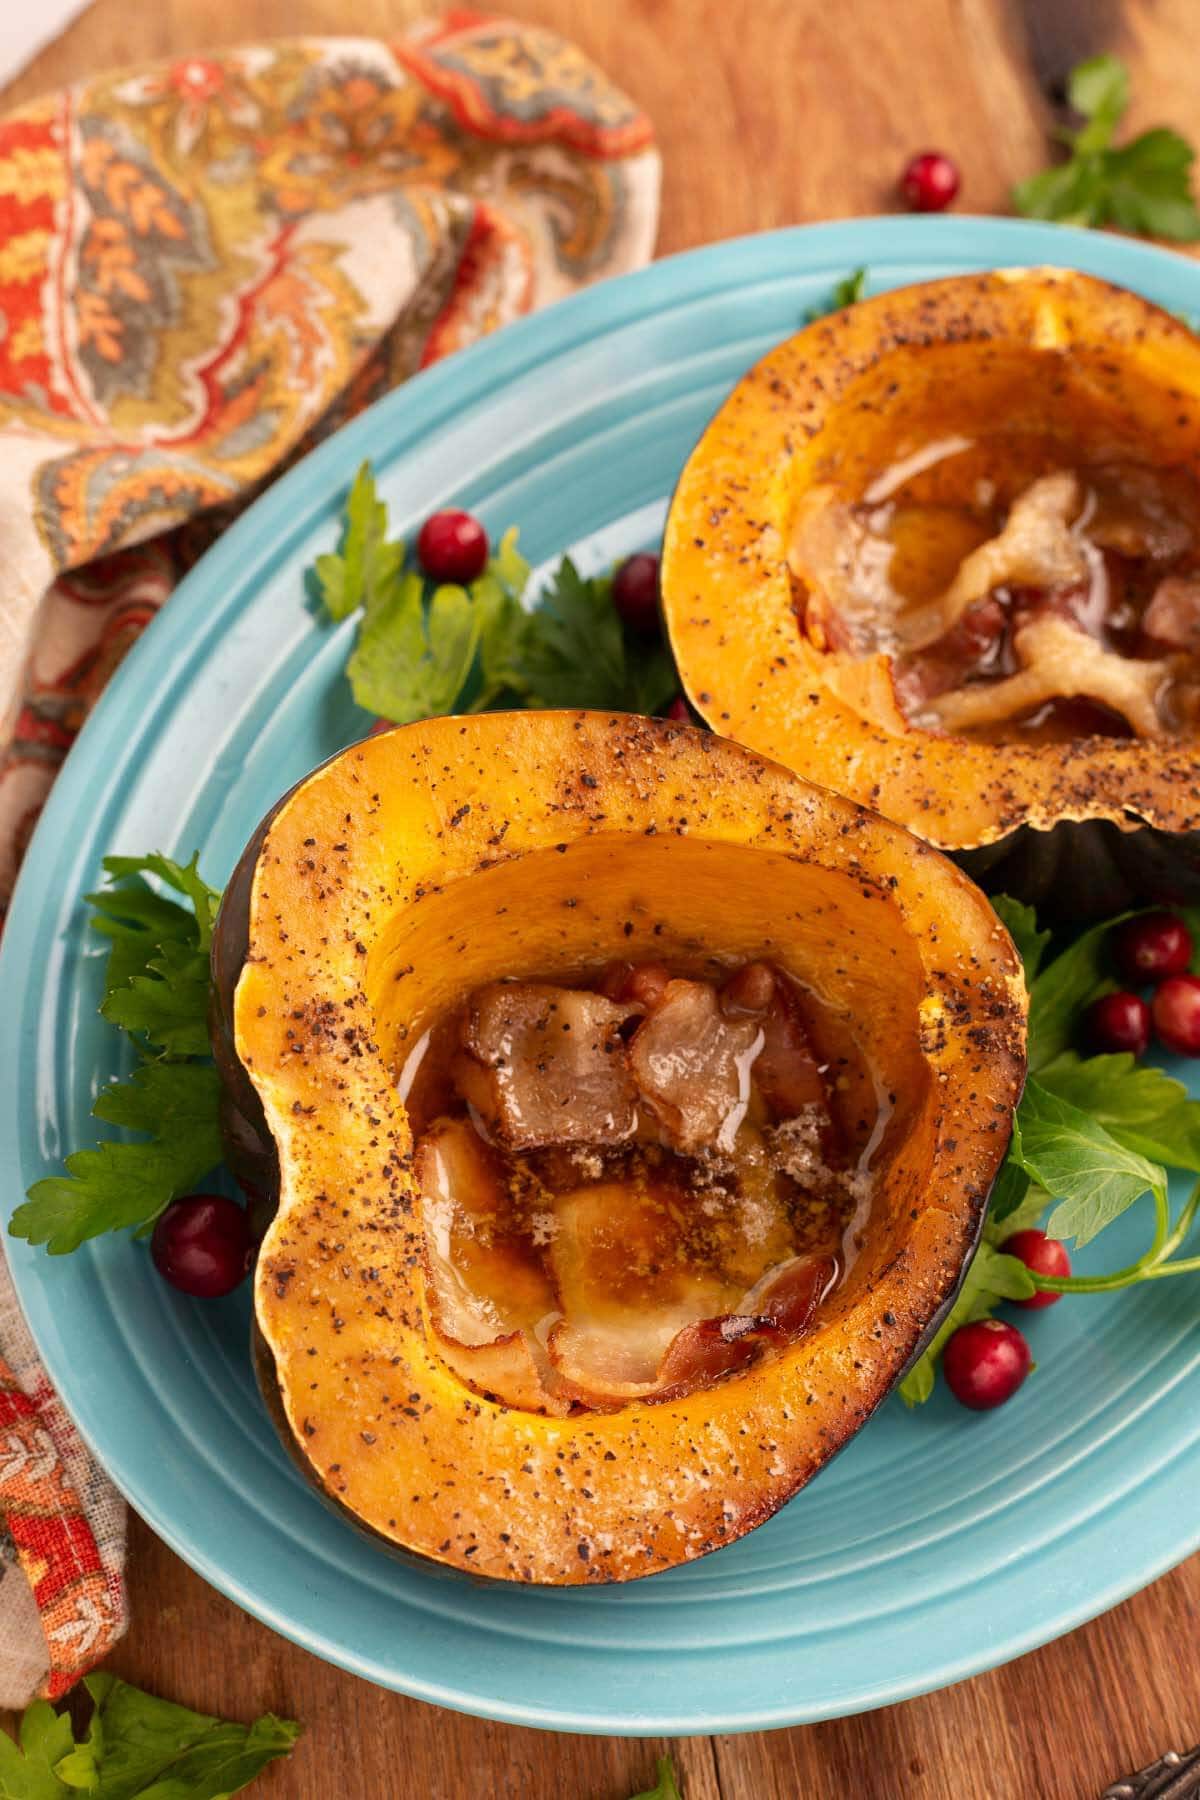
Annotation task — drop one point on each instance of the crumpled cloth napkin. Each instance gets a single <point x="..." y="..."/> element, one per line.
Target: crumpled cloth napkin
<point x="206" y="265"/>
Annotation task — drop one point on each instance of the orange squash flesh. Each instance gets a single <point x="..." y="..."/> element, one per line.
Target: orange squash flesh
<point x="423" y="862"/>
<point x="1096" y="372"/>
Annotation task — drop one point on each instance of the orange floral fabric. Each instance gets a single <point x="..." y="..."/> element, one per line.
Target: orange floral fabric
<point x="204" y="266"/>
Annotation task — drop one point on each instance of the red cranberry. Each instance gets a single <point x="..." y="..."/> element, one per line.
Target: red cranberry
<point x="202" y="1245"/>
<point x="452" y="546"/>
<point x="929" y="182"/>
<point x="1045" y="1256"/>
<point x="1176" y="1011"/>
<point x="678" y="711"/>
<point x="1151" y="948"/>
<point x="985" y="1363"/>
<point x="635" y="592"/>
<point x="1117" y="1022"/>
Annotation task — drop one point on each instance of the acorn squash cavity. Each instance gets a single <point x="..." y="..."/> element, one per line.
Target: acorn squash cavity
<point x="427" y="862"/>
<point x="1042" y="368"/>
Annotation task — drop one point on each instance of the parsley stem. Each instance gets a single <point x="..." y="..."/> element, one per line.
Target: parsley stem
<point x="1150" y="1267"/>
<point x="1183" y="1266"/>
<point x="1093" y="1284"/>
<point x="1182" y="1225"/>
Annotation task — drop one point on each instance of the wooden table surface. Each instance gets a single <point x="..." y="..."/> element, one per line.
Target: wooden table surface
<point x="769" y="112"/>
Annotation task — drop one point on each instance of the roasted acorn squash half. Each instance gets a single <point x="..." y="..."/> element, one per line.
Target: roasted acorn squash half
<point x="936" y="402"/>
<point x="423" y="862"/>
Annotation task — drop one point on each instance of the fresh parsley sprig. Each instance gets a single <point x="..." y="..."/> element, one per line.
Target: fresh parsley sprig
<point x="156" y="991"/>
<point x="423" y="651"/>
<point x="1144" y="186"/>
<point x="665" y="1787"/>
<point x="136" y="1747"/>
<point x="846" y="292"/>
<point x="1092" y="1136"/>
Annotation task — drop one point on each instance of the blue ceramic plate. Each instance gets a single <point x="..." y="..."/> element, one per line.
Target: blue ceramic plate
<point x="940" y="1543"/>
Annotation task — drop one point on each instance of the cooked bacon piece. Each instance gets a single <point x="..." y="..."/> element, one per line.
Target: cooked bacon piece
<point x="785" y="1069"/>
<point x="789" y="1296"/>
<point x="1061" y="662"/>
<point x="643" y="983"/>
<point x="968" y="649"/>
<point x="612" y="980"/>
<point x="1085" y="605"/>
<point x="512" y="1369"/>
<point x="702" y="1353"/>
<point x="692" y="1066"/>
<point x="1172" y="619"/>
<point x="1037" y="548"/>
<point x="546" y="1065"/>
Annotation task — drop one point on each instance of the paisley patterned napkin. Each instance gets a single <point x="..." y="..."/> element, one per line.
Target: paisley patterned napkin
<point x="204" y="267"/>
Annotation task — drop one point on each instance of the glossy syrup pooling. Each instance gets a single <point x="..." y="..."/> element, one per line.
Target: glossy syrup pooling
<point x="635" y="1182"/>
<point x="1021" y="596"/>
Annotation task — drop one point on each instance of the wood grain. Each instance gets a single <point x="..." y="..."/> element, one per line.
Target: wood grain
<point x="768" y="113"/>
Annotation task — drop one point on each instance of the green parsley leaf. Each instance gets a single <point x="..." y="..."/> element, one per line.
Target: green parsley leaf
<point x="1020" y="922"/>
<point x="576" y="656"/>
<point x="1150" y="187"/>
<point x="576" y="652"/>
<point x="1063" y="989"/>
<point x="156" y="990"/>
<point x="1029" y="1210"/>
<point x="150" y="1748"/>
<point x="167" y="1005"/>
<point x="143" y="906"/>
<point x="846" y="292"/>
<point x="1143" y="186"/>
<point x="1191" y="918"/>
<point x="1099" y="89"/>
<point x="665" y="1787"/>
<point x="137" y="1748"/>
<point x="849" y="291"/>
<point x="365" y="564"/>
<point x="464" y="649"/>
<point x="1141" y="1106"/>
<point x="156" y="977"/>
<point x="1008" y="1195"/>
<point x="991" y="1278"/>
<point x="1091" y="1135"/>
<point x="1068" y="195"/>
<point x="412" y="661"/>
<point x="1092" y="1176"/>
<point x="504" y="625"/>
<point x="27" y="1772"/>
<point x="122" y="1185"/>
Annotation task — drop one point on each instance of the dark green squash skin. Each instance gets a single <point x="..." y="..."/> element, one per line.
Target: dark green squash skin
<point x="1088" y="869"/>
<point x="248" y="1146"/>
<point x="251" y="1156"/>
